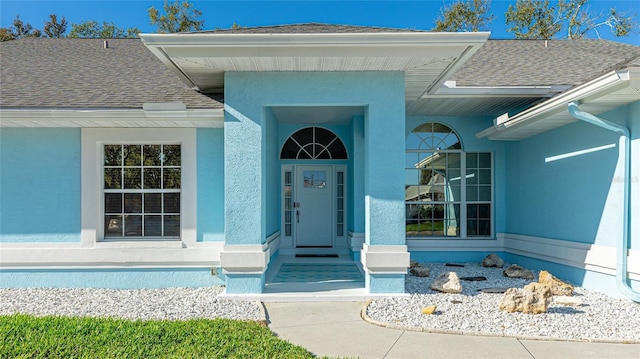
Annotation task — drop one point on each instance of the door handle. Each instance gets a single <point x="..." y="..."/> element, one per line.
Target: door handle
<point x="297" y="216"/>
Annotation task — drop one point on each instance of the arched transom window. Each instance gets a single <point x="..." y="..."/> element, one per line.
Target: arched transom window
<point x="440" y="200"/>
<point x="433" y="137"/>
<point x="313" y="143"/>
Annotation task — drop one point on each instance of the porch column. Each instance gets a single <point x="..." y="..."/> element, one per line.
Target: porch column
<point x="245" y="256"/>
<point x="384" y="255"/>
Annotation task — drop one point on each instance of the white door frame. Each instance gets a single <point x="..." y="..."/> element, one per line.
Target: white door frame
<point x="288" y="198"/>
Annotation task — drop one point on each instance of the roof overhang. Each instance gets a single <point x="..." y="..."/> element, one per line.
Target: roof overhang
<point x="153" y="115"/>
<point x="614" y="89"/>
<point x="427" y="58"/>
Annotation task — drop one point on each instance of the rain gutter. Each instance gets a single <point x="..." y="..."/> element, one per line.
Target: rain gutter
<point x="506" y="125"/>
<point x="622" y="276"/>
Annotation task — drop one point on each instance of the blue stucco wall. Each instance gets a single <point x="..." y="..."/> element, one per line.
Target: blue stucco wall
<point x="272" y="179"/>
<point x="210" y="177"/>
<point x="466" y="128"/>
<point x="356" y="175"/>
<point x="39" y="185"/>
<point x="124" y="278"/>
<point x="246" y="97"/>
<point x="573" y="198"/>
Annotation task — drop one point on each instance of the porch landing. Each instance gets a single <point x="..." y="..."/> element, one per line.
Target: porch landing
<point x="295" y="279"/>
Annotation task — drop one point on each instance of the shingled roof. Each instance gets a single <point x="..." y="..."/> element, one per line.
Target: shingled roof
<point x="309" y="28"/>
<point x="540" y="62"/>
<point x="82" y="73"/>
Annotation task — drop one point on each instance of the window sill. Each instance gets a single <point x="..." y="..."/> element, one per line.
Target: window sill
<point x="146" y="244"/>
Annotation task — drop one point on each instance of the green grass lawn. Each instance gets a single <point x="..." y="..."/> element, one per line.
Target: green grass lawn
<point x="25" y="336"/>
<point x="425" y="226"/>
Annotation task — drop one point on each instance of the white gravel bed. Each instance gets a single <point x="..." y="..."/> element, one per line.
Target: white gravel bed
<point x="599" y="318"/>
<point x="169" y="303"/>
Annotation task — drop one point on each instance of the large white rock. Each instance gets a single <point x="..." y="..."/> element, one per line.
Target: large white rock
<point x="534" y="298"/>
<point x="557" y="286"/>
<point x="447" y="282"/>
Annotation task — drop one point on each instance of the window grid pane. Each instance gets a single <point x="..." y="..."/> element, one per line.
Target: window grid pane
<point x="479" y="194"/>
<point x="340" y="204"/>
<point x="142" y="191"/>
<point x="436" y="188"/>
<point x="288" y="203"/>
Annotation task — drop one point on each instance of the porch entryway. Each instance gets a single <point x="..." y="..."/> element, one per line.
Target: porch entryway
<point x="313" y="278"/>
<point x="314" y="199"/>
<point x="337" y="186"/>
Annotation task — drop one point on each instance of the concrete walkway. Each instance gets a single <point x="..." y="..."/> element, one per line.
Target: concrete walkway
<point x="335" y="329"/>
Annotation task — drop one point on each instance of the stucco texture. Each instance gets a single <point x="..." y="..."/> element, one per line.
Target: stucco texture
<point x="39" y="185"/>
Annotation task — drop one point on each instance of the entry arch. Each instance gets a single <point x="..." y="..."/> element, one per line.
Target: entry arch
<point x="313" y="143"/>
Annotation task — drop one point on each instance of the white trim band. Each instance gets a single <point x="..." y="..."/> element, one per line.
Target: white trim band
<point x="385" y="259"/>
<point x="245" y="258"/>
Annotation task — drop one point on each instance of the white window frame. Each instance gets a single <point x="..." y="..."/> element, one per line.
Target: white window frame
<point x="92" y="167"/>
<point x="142" y="191"/>
<point x="463" y="202"/>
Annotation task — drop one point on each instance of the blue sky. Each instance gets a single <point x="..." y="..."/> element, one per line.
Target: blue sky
<point x="418" y="14"/>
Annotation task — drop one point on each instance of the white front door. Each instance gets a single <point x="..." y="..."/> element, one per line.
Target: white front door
<point x="313" y="212"/>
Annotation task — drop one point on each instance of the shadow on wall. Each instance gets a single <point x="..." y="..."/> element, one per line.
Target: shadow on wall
<point x="561" y="186"/>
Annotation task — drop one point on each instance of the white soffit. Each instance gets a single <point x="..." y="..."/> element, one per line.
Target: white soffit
<point x="617" y="88"/>
<point x="427" y="58"/>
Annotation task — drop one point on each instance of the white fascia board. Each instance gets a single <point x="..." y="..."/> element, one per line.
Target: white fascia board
<point x="599" y="87"/>
<point x="111" y="118"/>
<point x="172" y="66"/>
<point x="314" y="39"/>
<point x="341" y="45"/>
<point x="451" y="89"/>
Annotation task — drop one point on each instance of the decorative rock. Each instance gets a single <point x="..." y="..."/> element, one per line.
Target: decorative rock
<point x="567" y="300"/>
<point x="493" y="290"/>
<point x="429" y="310"/>
<point x="447" y="282"/>
<point x="556" y="286"/>
<point x="515" y="271"/>
<point x="420" y="271"/>
<point x="492" y="260"/>
<point x="414" y="264"/>
<point x="474" y="279"/>
<point x="534" y="298"/>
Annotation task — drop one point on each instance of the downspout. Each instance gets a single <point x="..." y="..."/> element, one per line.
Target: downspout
<point x="622" y="276"/>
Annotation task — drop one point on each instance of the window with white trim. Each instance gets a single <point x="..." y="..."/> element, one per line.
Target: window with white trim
<point x="141" y="191"/>
<point x="448" y="192"/>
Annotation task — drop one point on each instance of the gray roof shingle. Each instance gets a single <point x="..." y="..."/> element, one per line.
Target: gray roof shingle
<point x="308" y="28"/>
<point x="81" y="73"/>
<point x="529" y="62"/>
